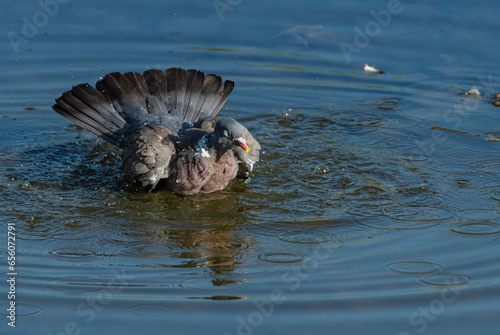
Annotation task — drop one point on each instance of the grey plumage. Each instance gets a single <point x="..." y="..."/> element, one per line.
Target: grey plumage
<point x="167" y="124"/>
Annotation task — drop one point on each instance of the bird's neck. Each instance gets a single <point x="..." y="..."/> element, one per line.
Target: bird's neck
<point x="211" y="145"/>
<point x="204" y="146"/>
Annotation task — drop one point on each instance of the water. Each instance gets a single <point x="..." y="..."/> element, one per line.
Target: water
<point x="359" y="219"/>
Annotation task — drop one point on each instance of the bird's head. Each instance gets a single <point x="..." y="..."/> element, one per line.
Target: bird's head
<point x="228" y="134"/>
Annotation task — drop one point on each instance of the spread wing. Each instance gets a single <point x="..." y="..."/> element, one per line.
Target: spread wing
<point x="147" y="154"/>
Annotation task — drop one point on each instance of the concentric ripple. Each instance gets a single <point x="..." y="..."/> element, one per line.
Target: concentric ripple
<point x="280" y="257"/>
<point x="414" y="267"/>
<point x="408" y="217"/>
<point x="445" y="279"/>
<point x="477" y="228"/>
<point x="73" y="255"/>
<point x="315" y="236"/>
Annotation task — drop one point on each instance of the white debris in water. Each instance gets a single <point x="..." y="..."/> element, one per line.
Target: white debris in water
<point x="369" y="68"/>
<point x="473" y="91"/>
<point x="492" y="138"/>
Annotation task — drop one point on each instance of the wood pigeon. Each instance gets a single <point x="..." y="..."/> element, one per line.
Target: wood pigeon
<point x="167" y="125"/>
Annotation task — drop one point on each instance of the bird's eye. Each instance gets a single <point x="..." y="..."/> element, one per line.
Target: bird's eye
<point x="225" y="133"/>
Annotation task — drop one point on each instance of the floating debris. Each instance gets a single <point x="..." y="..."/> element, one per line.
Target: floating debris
<point x="496" y="100"/>
<point x="369" y="68"/>
<point x="473" y="91"/>
<point x="492" y="138"/>
<point x="489" y="138"/>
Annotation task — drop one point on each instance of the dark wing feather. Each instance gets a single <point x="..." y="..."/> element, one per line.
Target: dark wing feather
<point x="220" y="98"/>
<point x="124" y="96"/>
<point x="210" y="87"/>
<point x="138" y="81"/>
<point x="176" y="86"/>
<point x="92" y="110"/>
<point x="157" y="86"/>
<point x="194" y="80"/>
<point x="147" y="155"/>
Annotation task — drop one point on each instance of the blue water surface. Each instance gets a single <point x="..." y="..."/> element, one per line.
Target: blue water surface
<point x="374" y="208"/>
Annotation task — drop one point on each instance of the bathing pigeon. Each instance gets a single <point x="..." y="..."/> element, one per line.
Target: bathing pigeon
<point x="167" y="125"/>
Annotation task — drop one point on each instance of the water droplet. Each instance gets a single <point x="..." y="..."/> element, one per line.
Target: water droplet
<point x="177" y="181"/>
<point x="321" y="170"/>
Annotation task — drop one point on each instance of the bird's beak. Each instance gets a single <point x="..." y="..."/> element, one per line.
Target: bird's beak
<point x="240" y="141"/>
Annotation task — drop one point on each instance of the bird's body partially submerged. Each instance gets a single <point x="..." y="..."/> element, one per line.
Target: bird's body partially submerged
<point x="166" y="123"/>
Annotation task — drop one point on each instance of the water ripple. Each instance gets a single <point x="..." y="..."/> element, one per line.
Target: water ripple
<point x="417" y="213"/>
<point x="145" y="249"/>
<point x="205" y="284"/>
<point x="414" y="267"/>
<point x="486" y="167"/>
<point x="24" y="309"/>
<point x="73" y="254"/>
<point x="315" y="236"/>
<point x="405" y="217"/>
<point x="495" y="243"/>
<point x="280" y="257"/>
<point x="82" y="69"/>
<point x="149" y="310"/>
<point x="258" y="58"/>
<point x="445" y="279"/>
<point x="477" y="228"/>
<point x="76" y="285"/>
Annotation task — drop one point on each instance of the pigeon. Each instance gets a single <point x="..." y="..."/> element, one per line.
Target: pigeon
<point x="166" y="122"/>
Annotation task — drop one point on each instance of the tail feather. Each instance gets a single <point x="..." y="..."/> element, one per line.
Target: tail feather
<point x="91" y="113"/>
<point x="195" y="95"/>
<point x="176" y="85"/>
<point x="157" y="86"/>
<point x="124" y="96"/>
<point x="194" y="80"/>
<point x="211" y="85"/>
<point x="221" y="98"/>
<point x="155" y="106"/>
<point x="138" y="82"/>
<point x="100" y="104"/>
<point x="120" y="99"/>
